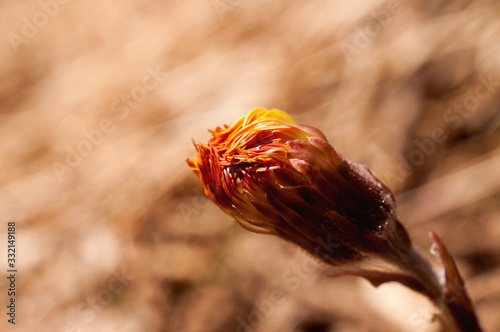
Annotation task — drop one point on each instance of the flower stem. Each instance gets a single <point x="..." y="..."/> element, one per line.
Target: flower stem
<point x="448" y="295"/>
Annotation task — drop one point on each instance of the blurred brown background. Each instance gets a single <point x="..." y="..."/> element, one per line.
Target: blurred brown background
<point x="100" y="102"/>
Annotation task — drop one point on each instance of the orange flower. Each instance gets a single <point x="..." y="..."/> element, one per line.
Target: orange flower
<point x="277" y="177"/>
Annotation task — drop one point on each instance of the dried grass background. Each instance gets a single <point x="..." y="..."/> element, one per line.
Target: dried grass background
<point x="131" y="208"/>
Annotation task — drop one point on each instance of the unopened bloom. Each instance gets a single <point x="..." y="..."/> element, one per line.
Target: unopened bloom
<point x="278" y="177"/>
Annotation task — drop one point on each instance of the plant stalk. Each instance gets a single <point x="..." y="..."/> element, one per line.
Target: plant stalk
<point x="449" y="295"/>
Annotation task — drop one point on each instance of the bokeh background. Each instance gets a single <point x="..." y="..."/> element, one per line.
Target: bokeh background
<point x="100" y="102"/>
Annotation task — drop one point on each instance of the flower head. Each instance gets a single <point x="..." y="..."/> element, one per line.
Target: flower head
<point x="278" y="177"/>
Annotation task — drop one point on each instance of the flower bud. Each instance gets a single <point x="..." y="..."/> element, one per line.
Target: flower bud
<point x="277" y="177"/>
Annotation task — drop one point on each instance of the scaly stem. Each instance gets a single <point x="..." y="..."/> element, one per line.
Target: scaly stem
<point x="448" y="295"/>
